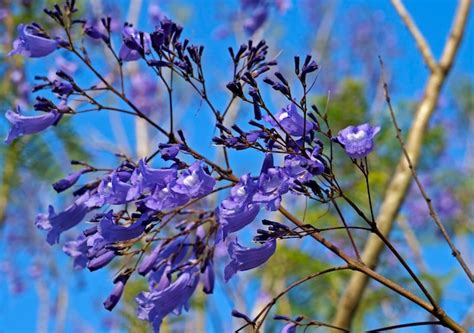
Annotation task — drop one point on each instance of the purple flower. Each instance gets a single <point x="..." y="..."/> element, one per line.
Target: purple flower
<point x="22" y="125"/>
<point x="33" y="42"/>
<point x="62" y="88"/>
<point x="113" y="232"/>
<point x="69" y="180"/>
<point x="358" y="141"/>
<point x="147" y="176"/>
<point x="272" y="184"/>
<point x="194" y="181"/>
<point x="301" y="169"/>
<point x="65" y="220"/>
<point x="77" y="249"/>
<point x="169" y="151"/>
<point x="292" y="121"/>
<point x="162" y="252"/>
<point x="232" y="220"/>
<point x="132" y="49"/>
<point x="153" y="306"/>
<point x="113" y="189"/>
<point x="244" y="259"/>
<point x="238" y="210"/>
<point x="165" y="198"/>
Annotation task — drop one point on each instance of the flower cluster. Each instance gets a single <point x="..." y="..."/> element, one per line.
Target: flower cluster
<point x="156" y="217"/>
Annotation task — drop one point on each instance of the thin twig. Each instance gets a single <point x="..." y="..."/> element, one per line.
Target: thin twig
<point x="420" y="323"/>
<point x="264" y="312"/>
<point x="455" y="252"/>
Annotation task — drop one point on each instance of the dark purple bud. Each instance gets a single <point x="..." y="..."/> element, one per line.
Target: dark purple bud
<point x="241" y="315"/>
<point x="297" y="65"/>
<point x="209" y="279"/>
<point x="158" y="63"/>
<point x="68" y="181"/>
<point x="102" y="260"/>
<point x="117" y="292"/>
<point x="235" y="87"/>
<point x="169" y="151"/>
<point x="281" y="78"/>
<point x="62" y="88"/>
<point x="281" y="317"/>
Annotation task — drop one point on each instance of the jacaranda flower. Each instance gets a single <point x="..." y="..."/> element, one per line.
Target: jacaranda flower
<point x="132" y="49"/>
<point x="292" y="121"/>
<point x="113" y="232"/>
<point x="272" y="184"/>
<point x="238" y="210"/>
<point x="244" y="259"/>
<point x="153" y="306"/>
<point x="22" y="125"/>
<point x="194" y="181"/>
<point x="77" y="249"/>
<point x="33" y="42"/>
<point x="65" y="220"/>
<point x="358" y="141"/>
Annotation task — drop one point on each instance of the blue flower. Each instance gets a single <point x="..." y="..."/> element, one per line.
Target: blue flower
<point x="77" y="249"/>
<point x="161" y="253"/>
<point x="244" y="259"/>
<point x="238" y="210"/>
<point x="22" y="125"/>
<point x="65" y="220"/>
<point x="113" y="232"/>
<point x="292" y="121"/>
<point x="272" y="184"/>
<point x="131" y="49"/>
<point x="33" y="42"/>
<point x="358" y="141"/>
<point x="153" y="306"/>
<point x="194" y="181"/>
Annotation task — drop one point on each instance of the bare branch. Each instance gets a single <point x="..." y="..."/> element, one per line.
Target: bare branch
<point x="266" y="309"/>
<point x="433" y="213"/>
<point x="416" y="33"/>
<point x="398" y="186"/>
<point x="366" y="270"/>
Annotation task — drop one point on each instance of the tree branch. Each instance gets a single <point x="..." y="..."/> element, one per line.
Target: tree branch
<point x="455" y="252"/>
<point x="400" y="181"/>
<point x="364" y="269"/>
<point x="416" y="33"/>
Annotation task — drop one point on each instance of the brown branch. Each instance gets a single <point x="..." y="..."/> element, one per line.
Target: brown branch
<point x="420" y="323"/>
<point x="416" y="34"/>
<point x="365" y="270"/>
<point x="455" y="252"/>
<point x="398" y="186"/>
<point x="266" y="309"/>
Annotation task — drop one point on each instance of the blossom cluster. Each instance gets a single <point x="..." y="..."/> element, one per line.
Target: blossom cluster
<point x="156" y="218"/>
